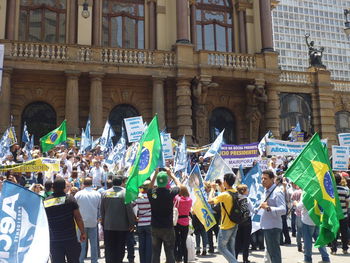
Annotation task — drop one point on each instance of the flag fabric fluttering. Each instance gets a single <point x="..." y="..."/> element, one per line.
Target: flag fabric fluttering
<point x="262" y="143"/>
<point x="216" y="146"/>
<point x="28" y="147"/>
<point x="256" y="191"/>
<point x="54" y="137"/>
<point x="146" y="161"/>
<point x="4" y="145"/>
<point x="218" y="168"/>
<point x="117" y="154"/>
<point x="181" y="156"/>
<point x="311" y="171"/>
<point x="201" y="206"/>
<point x="25" y="134"/>
<point x="106" y="141"/>
<point x="28" y="238"/>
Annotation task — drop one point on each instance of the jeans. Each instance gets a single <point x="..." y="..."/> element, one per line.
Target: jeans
<point x="257" y="239"/>
<point x="243" y="239"/>
<point x="299" y="226"/>
<point x="211" y="232"/>
<point x="272" y="240"/>
<point x="226" y="243"/>
<point x="91" y="233"/>
<point x="115" y="245"/>
<point x="61" y="250"/>
<point x="180" y="243"/>
<point x="164" y="236"/>
<point x="145" y="243"/>
<point x="310" y="232"/>
<point x="343" y="229"/>
<point x="130" y="246"/>
<point x="201" y="234"/>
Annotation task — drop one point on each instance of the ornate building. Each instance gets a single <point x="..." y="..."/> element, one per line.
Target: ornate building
<point x="199" y="64"/>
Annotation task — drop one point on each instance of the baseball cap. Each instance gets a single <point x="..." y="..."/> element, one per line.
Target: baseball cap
<point x="162" y="179"/>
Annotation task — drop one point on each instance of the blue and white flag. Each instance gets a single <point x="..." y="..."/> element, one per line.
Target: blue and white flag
<point x="298" y="127"/>
<point x="88" y="129"/>
<point x="28" y="147"/>
<point x="5" y="144"/>
<point x="106" y="142"/>
<point x="130" y="155"/>
<point x="25" y="134"/>
<point x="117" y="154"/>
<point x="239" y="175"/>
<point x="181" y="156"/>
<point x="26" y="238"/>
<point x="256" y="191"/>
<point x="262" y="143"/>
<point x="218" y="168"/>
<point x="86" y="139"/>
<point x="216" y="146"/>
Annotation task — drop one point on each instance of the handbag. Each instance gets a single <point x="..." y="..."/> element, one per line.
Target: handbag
<point x="175" y="212"/>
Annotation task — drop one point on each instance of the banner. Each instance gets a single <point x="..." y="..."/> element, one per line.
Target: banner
<point x="134" y="128"/>
<point x="217" y="169"/>
<point x="36" y="165"/>
<point x="340" y="160"/>
<point x="285" y="148"/>
<point x="243" y="154"/>
<point x="190" y="149"/>
<point x="24" y="228"/>
<point x="344" y="139"/>
<point x="2" y="51"/>
<point x="167" y="146"/>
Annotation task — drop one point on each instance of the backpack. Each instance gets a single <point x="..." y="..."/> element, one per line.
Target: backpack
<point x="240" y="211"/>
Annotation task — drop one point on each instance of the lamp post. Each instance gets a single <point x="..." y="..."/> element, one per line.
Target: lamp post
<point x="347" y="21"/>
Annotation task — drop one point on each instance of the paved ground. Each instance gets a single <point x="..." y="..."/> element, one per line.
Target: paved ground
<point x="290" y="254"/>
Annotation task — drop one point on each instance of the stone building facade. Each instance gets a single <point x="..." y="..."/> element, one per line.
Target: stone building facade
<point x="201" y="65"/>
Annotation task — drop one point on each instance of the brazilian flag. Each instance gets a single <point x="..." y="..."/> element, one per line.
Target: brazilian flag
<point x="54" y="137"/>
<point x="311" y="171"/>
<point x="146" y="160"/>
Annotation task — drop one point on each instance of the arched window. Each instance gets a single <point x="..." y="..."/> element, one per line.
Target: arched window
<point x="123" y="23"/>
<point x="220" y="119"/>
<point x="342" y="121"/>
<point x="43" y="21"/>
<point x="117" y="116"/>
<point x="40" y="118"/>
<point x="214" y="25"/>
<point x="295" y="108"/>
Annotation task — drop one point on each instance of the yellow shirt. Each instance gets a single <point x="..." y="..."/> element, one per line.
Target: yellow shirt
<point x="225" y="198"/>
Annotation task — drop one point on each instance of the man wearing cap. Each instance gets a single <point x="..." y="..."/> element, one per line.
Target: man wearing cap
<point x="161" y="200"/>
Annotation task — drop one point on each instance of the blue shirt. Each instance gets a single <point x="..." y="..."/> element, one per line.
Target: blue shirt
<point x="277" y="204"/>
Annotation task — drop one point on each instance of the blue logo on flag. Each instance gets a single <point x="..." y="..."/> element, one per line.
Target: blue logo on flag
<point x="53" y="137"/>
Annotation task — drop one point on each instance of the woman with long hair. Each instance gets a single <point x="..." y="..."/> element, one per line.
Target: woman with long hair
<point x="183" y="202"/>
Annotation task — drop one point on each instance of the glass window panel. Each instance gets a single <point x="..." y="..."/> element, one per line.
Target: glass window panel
<point x="35" y="25"/>
<point x="209" y="37"/>
<point x="50" y="26"/>
<point x="220" y="38"/>
<point x="130" y="34"/>
<point x="22" y="29"/>
<point x="141" y="40"/>
<point x="105" y="31"/>
<point x="199" y="37"/>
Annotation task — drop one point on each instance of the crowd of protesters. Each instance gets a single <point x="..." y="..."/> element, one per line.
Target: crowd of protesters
<point x="84" y="202"/>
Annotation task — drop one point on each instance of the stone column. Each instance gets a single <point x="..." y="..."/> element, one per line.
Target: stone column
<point x="242" y="31"/>
<point x="5" y="100"/>
<point x="96" y="23"/>
<point x="11" y="20"/>
<point x="96" y="109"/>
<point x="72" y="33"/>
<point x="184" y="109"/>
<point x="182" y="21"/>
<point x="273" y="111"/>
<point x="152" y="24"/>
<point x="266" y="25"/>
<point x="72" y="102"/>
<point x="158" y="101"/>
<point x="193" y="23"/>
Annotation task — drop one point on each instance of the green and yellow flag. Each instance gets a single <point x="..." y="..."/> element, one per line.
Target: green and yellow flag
<point x="146" y="160"/>
<point x="54" y="137"/>
<point x="312" y="172"/>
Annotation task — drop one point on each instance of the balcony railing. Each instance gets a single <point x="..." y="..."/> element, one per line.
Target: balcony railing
<point x="78" y="53"/>
<point x="231" y="60"/>
<point x="343" y="86"/>
<point x="295" y="77"/>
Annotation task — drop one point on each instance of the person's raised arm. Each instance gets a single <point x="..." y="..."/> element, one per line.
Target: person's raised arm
<point x="173" y="177"/>
<point x="212" y="193"/>
<point x="153" y="179"/>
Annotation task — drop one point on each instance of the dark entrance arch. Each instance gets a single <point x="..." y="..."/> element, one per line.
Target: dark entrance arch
<point x="222" y="118"/>
<point x="40" y="118"/>
<point x="116" y="117"/>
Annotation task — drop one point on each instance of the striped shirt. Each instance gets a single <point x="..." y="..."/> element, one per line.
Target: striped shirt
<point x="143" y="210"/>
<point x="343" y="193"/>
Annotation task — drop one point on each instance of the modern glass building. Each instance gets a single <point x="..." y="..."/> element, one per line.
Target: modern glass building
<point x="324" y="21"/>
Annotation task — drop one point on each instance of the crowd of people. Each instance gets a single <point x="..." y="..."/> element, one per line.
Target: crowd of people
<point x="85" y="202"/>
